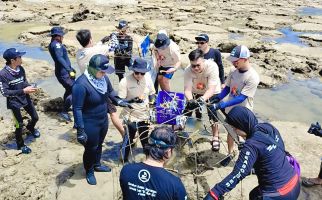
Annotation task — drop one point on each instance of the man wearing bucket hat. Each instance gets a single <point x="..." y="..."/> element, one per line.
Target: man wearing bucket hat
<point x="137" y="88"/>
<point x="15" y="87"/>
<point x="105" y="47"/>
<point x="154" y="181"/>
<point x="90" y="93"/>
<point x="65" y="74"/>
<point x="241" y="85"/>
<point x="123" y="53"/>
<point x="168" y="60"/>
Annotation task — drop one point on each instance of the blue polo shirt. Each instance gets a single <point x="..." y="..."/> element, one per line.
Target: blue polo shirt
<point x="140" y="181"/>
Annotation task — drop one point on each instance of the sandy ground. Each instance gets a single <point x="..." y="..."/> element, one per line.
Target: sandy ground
<point x="54" y="169"/>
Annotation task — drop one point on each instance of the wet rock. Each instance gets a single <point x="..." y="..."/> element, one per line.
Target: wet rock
<point x="314" y="37"/>
<point x="307" y="27"/>
<point x="85" y="14"/>
<point x="55" y="105"/>
<point x="66" y="156"/>
<point x="226" y="46"/>
<point x="21" y="17"/>
<point x="38" y="96"/>
<point x="193" y="9"/>
<point x="39" y="30"/>
<point x="301" y="70"/>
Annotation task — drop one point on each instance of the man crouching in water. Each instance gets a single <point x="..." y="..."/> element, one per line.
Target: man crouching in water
<point x="150" y="176"/>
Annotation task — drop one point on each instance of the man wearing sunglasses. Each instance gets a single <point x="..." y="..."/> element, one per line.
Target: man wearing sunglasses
<point x="149" y="179"/>
<point x="202" y="42"/>
<point x="201" y="81"/>
<point x="136" y="88"/>
<point x="241" y="85"/>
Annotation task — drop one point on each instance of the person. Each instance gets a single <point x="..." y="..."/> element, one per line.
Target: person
<point x="167" y="54"/>
<point x="314" y="129"/>
<point x="15" y="87"/>
<point x="123" y="53"/>
<point x="202" y="41"/>
<point x="241" y="85"/>
<point x="201" y="81"/>
<point x="264" y="151"/>
<point x="83" y="56"/>
<point x="149" y="179"/>
<point x="90" y="93"/>
<point x="139" y="89"/>
<point x="64" y="72"/>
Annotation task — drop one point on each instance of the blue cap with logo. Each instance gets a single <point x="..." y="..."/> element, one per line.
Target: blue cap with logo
<point x="56" y="31"/>
<point x="202" y="37"/>
<point x="140" y="65"/>
<point x="12" y="53"/>
<point x="100" y="62"/>
<point x="239" y="52"/>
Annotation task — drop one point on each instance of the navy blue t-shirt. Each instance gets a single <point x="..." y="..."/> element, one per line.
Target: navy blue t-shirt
<point x="142" y="181"/>
<point x="59" y="54"/>
<point x="215" y="55"/>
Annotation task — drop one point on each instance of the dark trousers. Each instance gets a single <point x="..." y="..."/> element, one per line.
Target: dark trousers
<point x="95" y="130"/>
<point x="30" y="109"/>
<point x="143" y="130"/>
<point x="120" y="64"/>
<point x="320" y="174"/>
<point x="67" y="83"/>
<point x="256" y="194"/>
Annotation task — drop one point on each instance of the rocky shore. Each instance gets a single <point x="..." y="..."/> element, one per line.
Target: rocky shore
<point x="54" y="169"/>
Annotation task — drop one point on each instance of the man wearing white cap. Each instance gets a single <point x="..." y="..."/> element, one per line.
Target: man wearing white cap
<point x="241" y="85"/>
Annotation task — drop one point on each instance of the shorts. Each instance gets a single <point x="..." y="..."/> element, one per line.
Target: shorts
<point x="110" y="106"/>
<point x="168" y="76"/>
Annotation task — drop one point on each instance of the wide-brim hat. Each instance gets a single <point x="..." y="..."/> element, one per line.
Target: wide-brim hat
<point x="101" y="62"/>
<point x="140" y="65"/>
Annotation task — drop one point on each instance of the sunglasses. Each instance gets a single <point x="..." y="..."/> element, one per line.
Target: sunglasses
<point x="137" y="73"/>
<point x="200" y="42"/>
<point x="195" y="66"/>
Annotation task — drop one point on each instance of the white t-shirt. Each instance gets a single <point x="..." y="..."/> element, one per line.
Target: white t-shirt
<point x="130" y="88"/>
<point x="242" y="83"/>
<point x="84" y="55"/>
<point x="202" y="81"/>
<point x="169" y="56"/>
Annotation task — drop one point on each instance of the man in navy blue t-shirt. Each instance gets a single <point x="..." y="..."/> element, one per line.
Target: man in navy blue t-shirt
<point x="149" y="179"/>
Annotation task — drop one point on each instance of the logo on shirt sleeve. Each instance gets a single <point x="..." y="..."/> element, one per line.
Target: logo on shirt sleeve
<point x="58" y="45"/>
<point x="144" y="175"/>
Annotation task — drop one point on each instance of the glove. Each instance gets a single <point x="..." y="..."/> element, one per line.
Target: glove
<point x="81" y="136"/>
<point x="105" y="39"/>
<point x="192" y="104"/>
<point x="124" y="103"/>
<point x="214" y="99"/>
<point x="201" y="101"/>
<point x="214" y="107"/>
<point x="72" y="74"/>
<point x="135" y="100"/>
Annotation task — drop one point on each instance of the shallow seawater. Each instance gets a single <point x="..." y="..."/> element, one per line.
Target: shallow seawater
<point x="310" y="11"/>
<point x="289" y="36"/>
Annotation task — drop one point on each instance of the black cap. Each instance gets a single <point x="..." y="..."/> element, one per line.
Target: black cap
<point x="12" y="53"/>
<point x="202" y="37"/>
<point x="162" y="41"/>
<point x="140" y="65"/>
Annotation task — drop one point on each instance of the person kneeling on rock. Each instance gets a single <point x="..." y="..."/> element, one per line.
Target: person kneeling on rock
<point x="15" y="87"/>
<point x="149" y="179"/>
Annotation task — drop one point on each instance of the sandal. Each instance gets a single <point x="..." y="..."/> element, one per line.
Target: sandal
<point x="309" y="183"/>
<point x="215" y="145"/>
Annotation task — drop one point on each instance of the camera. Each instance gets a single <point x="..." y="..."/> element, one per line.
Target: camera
<point x="315" y="129"/>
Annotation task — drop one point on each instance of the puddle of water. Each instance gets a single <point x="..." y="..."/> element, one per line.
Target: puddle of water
<point x="310" y="11"/>
<point x="289" y="36"/>
<point x="10" y="32"/>
<point x="298" y="100"/>
<point x="235" y="36"/>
